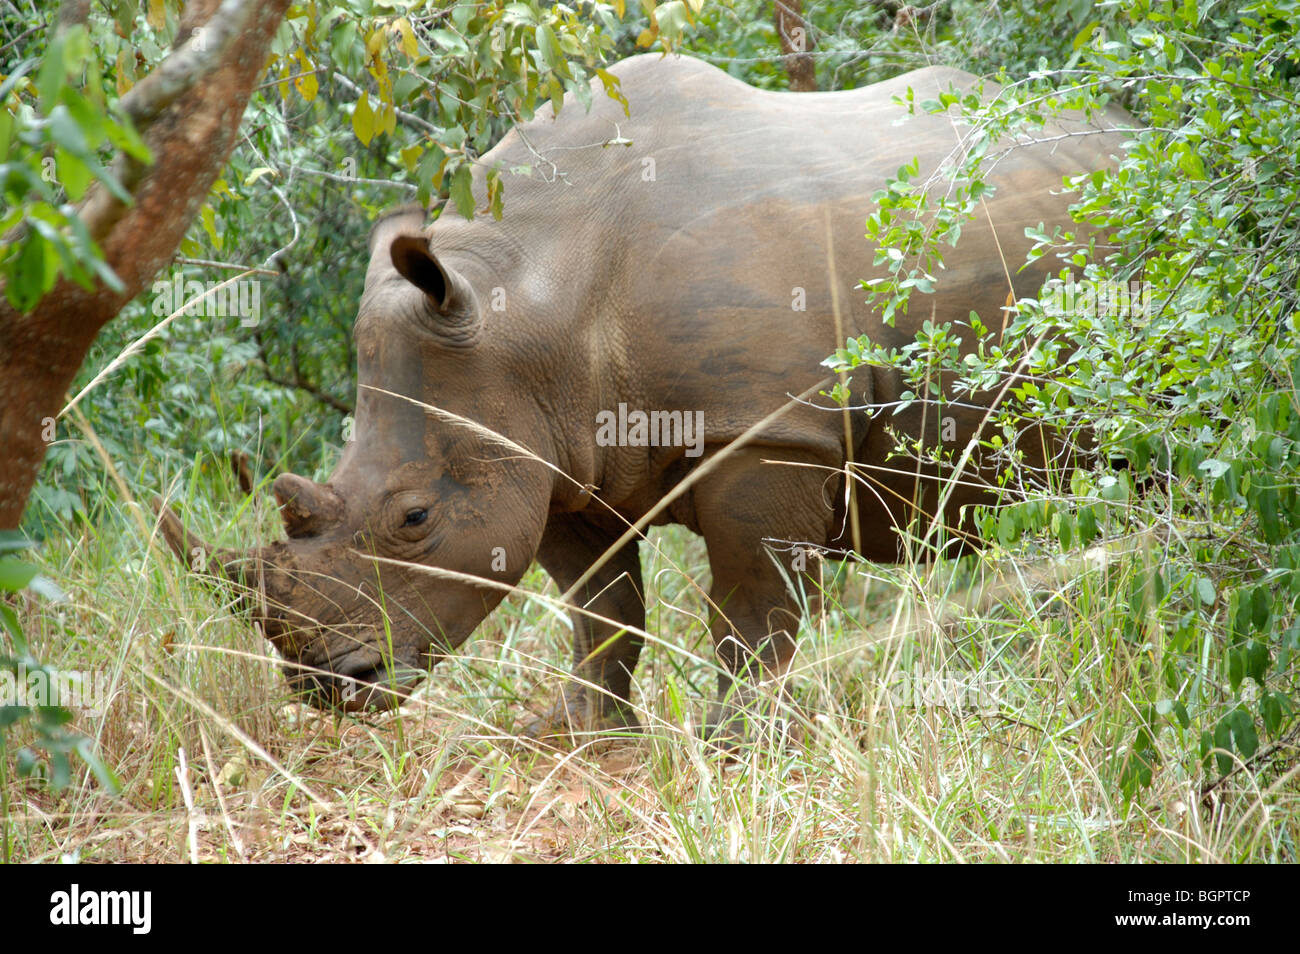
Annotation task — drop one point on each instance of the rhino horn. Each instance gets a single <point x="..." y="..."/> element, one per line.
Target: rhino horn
<point x="192" y="550"/>
<point x="305" y="506"/>
<point x="450" y="303"/>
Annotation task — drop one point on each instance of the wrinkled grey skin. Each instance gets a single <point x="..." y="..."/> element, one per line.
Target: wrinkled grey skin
<point x="664" y="275"/>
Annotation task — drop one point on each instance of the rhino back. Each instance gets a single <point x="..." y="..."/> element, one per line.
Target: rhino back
<point x="694" y="255"/>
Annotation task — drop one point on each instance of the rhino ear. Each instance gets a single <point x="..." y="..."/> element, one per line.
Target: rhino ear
<point x="414" y="262"/>
<point x="452" y="305"/>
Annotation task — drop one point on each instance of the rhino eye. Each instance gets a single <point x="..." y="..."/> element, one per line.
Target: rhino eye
<point x="415" y="517"/>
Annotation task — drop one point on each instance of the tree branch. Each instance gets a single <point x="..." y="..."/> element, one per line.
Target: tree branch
<point x="205" y="50"/>
<point x="354" y="180"/>
<point x="796" y="42"/>
<point x="193" y="115"/>
<point x="297" y="382"/>
<point x="71" y="13"/>
<point x="198" y="56"/>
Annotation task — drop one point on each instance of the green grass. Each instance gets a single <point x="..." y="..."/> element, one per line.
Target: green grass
<point x="1024" y="769"/>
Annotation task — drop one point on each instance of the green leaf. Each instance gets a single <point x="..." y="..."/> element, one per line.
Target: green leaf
<point x="345" y="47"/>
<point x="123" y="136"/>
<point x="1065" y="534"/>
<point x="672" y="18"/>
<point x="34" y="273"/>
<point x="363" y="119"/>
<point x="1239" y="627"/>
<point x="74" y="175"/>
<point x="1213" y="468"/>
<point x="520" y="11"/>
<point x="1008" y="533"/>
<point x="1270" y="711"/>
<point x="208" y="219"/>
<point x="410" y="156"/>
<point x="27" y="763"/>
<point x="68" y="134"/>
<point x="1257" y="660"/>
<point x="1084" y="35"/>
<point x="1087" y="521"/>
<point x="14" y="574"/>
<point x="65" y="131"/>
<point x="50" y="77"/>
<point x="9" y="620"/>
<point x="1236" y="668"/>
<point x="1243" y="732"/>
<point x="462" y="191"/>
<point x="495" y="191"/>
<point x="549" y="48"/>
<point x="1261" y="607"/>
<point x="89" y="117"/>
<point x="257" y="173"/>
<point x="1205" y="590"/>
<point x="1267" y="508"/>
<point x="14" y="541"/>
<point x="1223" y="740"/>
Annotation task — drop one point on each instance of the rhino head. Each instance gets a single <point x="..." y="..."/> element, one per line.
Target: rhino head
<point x="353" y="599"/>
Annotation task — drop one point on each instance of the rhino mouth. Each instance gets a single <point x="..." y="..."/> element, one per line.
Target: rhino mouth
<point x="341" y="666"/>
<point x="375" y="688"/>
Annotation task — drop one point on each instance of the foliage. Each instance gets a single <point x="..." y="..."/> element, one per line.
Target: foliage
<point x="465" y="65"/>
<point x="1190" y="377"/>
<point x="854" y="44"/>
<point x="46" y="720"/>
<point x="377" y="102"/>
<point x="369" y="103"/>
<point x="51" y="145"/>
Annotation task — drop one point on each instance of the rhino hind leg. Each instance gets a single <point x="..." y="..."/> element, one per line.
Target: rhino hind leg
<point x="753" y="517"/>
<point x="604" y="652"/>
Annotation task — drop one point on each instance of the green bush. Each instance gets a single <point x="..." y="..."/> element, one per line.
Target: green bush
<point x="1193" y="383"/>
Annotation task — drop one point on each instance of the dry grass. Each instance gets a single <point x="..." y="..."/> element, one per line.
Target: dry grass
<point x="862" y="770"/>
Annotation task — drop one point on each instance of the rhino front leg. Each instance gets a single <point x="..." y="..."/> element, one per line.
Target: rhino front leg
<point x="742" y="511"/>
<point x="604" y="653"/>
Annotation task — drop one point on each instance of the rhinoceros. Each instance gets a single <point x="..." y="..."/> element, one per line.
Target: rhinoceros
<point x="648" y="320"/>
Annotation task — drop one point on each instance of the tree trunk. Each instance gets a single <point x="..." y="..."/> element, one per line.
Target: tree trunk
<point x="796" y="44"/>
<point x="189" y="111"/>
